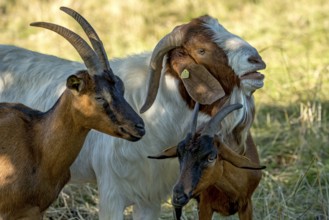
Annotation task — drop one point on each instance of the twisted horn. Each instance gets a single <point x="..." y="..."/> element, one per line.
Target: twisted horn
<point x="85" y="51"/>
<point x="91" y="34"/>
<point x="213" y="125"/>
<point x="168" y="42"/>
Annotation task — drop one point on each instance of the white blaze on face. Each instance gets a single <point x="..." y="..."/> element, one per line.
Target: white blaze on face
<point x="239" y="53"/>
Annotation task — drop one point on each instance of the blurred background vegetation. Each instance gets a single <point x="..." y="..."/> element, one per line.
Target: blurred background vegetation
<point x="291" y="126"/>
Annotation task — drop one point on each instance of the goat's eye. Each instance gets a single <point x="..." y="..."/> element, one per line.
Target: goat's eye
<point x="201" y="51"/>
<point x="100" y="99"/>
<point x="212" y="158"/>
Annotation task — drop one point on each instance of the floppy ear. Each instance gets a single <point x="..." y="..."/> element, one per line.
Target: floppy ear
<point x="237" y="160"/>
<point x="170" y="152"/>
<point x="201" y="85"/>
<point x="75" y="83"/>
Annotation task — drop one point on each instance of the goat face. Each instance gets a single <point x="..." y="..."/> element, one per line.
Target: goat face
<point x="242" y="57"/>
<point x="196" y="169"/>
<point x="106" y="109"/>
<point x="201" y="159"/>
<point x="201" y="156"/>
<point x="101" y="89"/>
<point x="217" y="54"/>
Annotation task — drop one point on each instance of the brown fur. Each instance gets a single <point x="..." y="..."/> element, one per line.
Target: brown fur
<point x="37" y="149"/>
<point x="216" y="62"/>
<point x="214" y="59"/>
<point x="223" y="185"/>
<point x="227" y="189"/>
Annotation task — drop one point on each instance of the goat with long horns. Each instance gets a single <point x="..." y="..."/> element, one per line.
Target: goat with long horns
<point x="37" y="148"/>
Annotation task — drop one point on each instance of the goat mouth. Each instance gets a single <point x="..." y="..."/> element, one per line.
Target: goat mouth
<point x="132" y="137"/>
<point x="254" y="75"/>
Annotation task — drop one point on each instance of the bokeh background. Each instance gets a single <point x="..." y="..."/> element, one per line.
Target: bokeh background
<point x="291" y="127"/>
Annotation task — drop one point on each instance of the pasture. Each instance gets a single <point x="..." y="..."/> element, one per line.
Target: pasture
<point x="291" y="128"/>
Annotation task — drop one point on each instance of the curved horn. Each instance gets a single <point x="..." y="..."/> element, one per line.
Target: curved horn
<point x="85" y="51"/>
<point x="195" y="117"/>
<point x="168" y="42"/>
<point x="91" y="34"/>
<point x="213" y="125"/>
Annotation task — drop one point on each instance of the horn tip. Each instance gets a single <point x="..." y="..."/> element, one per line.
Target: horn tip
<point x="36" y="24"/>
<point x="144" y="109"/>
<point x="63" y="8"/>
<point x="239" y="106"/>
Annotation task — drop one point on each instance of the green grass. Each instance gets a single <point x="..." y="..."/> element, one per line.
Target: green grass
<point x="291" y="126"/>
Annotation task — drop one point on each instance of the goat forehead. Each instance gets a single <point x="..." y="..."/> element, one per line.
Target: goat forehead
<point x="223" y="37"/>
<point x="105" y="86"/>
<point x="200" y="146"/>
<point x="237" y="50"/>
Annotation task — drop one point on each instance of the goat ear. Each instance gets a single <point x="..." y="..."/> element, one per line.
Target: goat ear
<point x="170" y="152"/>
<point x="75" y="83"/>
<point x="201" y="85"/>
<point x="237" y="160"/>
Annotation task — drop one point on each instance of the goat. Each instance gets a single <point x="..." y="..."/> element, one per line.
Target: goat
<point x="212" y="173"/>
<point x="37" y="148"/>
<point x="124" y="174"/>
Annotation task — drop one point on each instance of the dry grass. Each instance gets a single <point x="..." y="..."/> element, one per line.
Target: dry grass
<point x="291" y="127"/>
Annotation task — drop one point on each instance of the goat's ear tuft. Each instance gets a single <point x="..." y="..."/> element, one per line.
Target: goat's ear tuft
<point x="170" y="152"/>
<point x="201" y="85"/>
<point x="75" y="83"/>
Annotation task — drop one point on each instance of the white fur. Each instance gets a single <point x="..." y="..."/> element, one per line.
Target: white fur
<point x="124" y="174"/>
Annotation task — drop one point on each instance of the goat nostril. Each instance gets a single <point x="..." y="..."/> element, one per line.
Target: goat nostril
<point x="139" y="126"/>
<point x="255" y="59"/>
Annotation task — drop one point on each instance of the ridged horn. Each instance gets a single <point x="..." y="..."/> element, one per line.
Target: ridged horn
<point x="91" y="34"/>
<point x="212" y="126"/>
<point x="168" y="42"/>
<point x="86" y="53"/>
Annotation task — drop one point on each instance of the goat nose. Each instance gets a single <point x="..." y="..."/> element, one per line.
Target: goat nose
<point x="255" y="59"/>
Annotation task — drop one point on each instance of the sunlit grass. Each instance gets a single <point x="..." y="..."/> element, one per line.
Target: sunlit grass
<point x="291" y="126"/>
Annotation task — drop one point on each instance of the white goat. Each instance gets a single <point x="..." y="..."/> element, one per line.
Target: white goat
<point x="38" y="148"/>
<point x="215" y="60"/>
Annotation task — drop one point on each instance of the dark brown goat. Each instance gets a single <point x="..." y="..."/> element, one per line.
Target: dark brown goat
<point x="217" y="177"/>
<point x="37" y="148"/>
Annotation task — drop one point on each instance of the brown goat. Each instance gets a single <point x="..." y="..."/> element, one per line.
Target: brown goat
<point x="217" y="177"/>
<point x="37" y="148"/>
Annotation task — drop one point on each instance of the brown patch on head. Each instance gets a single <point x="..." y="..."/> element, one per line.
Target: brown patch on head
<point x="89" y="84"/>
<point x="199" y="48"/>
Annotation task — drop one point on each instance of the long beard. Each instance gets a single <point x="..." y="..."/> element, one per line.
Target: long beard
<point x="234" y="127"/>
